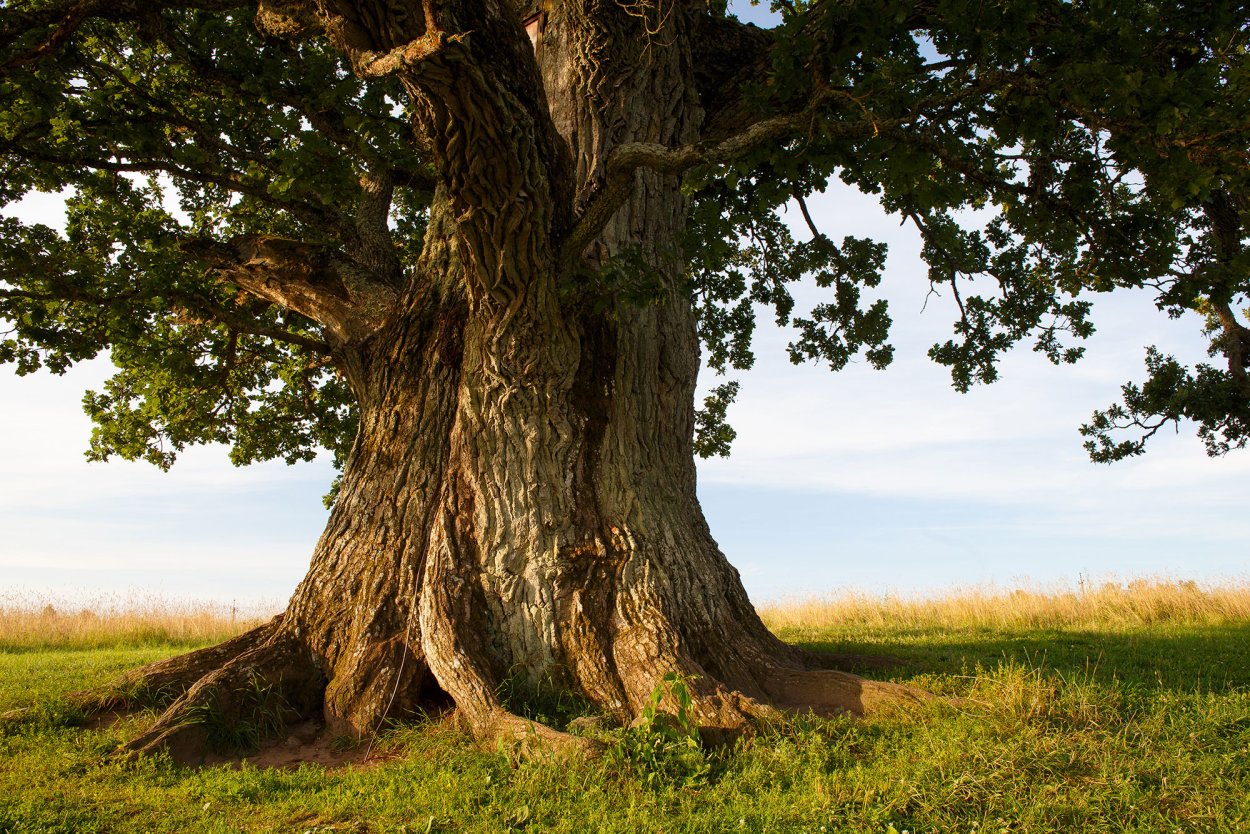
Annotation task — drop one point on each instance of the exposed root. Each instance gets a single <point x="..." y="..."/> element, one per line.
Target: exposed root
<point x="721" y="713"/>
<point x="829" y="692"/>
<point x="251" y="688"/>
<point x="260" y="683"/>
<point x="251" y="697"/>
<point x="758" y="687"/>
<point x="529" y="739"/>
<point x="160" y="683"/>
<point x="388" y="679"/>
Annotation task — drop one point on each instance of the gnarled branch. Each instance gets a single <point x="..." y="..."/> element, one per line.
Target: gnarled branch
<point x="312" y="280"/>
<point x="629" y="158"/>
<point x="378" y="65"/>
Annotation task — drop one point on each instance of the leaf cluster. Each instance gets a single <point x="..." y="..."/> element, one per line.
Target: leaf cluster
<point x="168" y="130"/>
<point x="1044" y="152"/>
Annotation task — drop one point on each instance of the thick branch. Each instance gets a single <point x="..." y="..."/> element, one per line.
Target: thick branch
<point x="378" y="39"/>
<point x="628" y="158"/>
<point x="1224" y="215"/>
<point x="239" y="322"/>
<point x="311" y="280"/>
<point x="379" y="65"/>
<point x="235" y="318"/>
<point x="1235" y="343"/>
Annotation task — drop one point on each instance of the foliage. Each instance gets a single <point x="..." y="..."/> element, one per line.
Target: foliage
<point x="713" y="435"/>
<point x="1045" y="152"/>
<point x="185" y="127"/>
<point x="664" y="747"/>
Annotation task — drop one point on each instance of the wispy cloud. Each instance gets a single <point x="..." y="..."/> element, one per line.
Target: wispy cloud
<point x="892" y="479"/>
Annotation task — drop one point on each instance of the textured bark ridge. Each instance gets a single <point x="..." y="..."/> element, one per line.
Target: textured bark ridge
<point x="519" y="508"/>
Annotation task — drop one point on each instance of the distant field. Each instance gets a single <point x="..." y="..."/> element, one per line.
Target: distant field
<point x="34" y="622"/>
<point x="1141" y="602"/>
<point x="1109" y="709"/>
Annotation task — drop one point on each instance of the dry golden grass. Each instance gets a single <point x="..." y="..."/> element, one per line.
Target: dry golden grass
<point x="47" y="623"/>
<point x="44" y="623"/>
<point x="1110" y="604"/>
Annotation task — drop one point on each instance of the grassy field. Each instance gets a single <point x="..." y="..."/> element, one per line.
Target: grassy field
<point x="1112" y="709"/>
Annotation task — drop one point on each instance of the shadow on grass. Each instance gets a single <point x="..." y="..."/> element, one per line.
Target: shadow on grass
<point x="1182" y="658"/>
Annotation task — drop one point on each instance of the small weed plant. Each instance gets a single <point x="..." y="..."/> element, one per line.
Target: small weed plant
<point x="664" y="747"/>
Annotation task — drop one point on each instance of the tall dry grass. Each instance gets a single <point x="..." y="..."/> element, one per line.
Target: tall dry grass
<point x="33" y="622"/>
<point x="1108" y="604"/>
<point x="41" y="622"/>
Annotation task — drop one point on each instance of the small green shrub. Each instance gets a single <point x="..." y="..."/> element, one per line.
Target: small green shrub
<point x="664" y="747"/>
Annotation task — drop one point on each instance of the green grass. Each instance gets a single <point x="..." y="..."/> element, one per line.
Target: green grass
<point x="1119" y="728"/>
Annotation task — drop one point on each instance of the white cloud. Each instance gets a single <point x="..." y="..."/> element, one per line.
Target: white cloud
<point x="1008" y="454"/>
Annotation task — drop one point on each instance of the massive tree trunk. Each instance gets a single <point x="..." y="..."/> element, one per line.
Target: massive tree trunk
<point x="520" y="504"/>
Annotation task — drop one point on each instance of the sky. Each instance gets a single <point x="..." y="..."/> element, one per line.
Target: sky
<point x="890" y="481"/>
<point x="876" y="481"/>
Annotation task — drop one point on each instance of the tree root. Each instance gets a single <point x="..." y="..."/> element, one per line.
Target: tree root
<point x="159" y="684"/>
<point x="828" y="692"/>
<point x="723" y="714"/>
<point x="257" y="693"/>
<point x="529" y="739"/>
<point x="236" y="694"/>
<point x="237" y="705"/>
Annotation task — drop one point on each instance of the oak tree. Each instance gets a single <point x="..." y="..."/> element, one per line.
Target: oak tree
<point x="473" y="247"/>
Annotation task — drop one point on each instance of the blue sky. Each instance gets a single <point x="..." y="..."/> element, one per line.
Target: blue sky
<point x="879" y="481"/>
<point x="875" y="480"/>
<point x="892" y="480"/>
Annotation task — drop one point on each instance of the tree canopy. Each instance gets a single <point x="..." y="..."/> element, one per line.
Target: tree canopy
<point x="1045" y="151"/>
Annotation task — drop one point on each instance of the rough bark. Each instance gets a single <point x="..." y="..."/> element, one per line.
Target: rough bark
<point x="520" y="503"/>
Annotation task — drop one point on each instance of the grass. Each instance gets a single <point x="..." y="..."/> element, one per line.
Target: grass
<point x="37" y="624"/>
<point x="1113" y="710"/>
<point x="1142" y="602"/>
